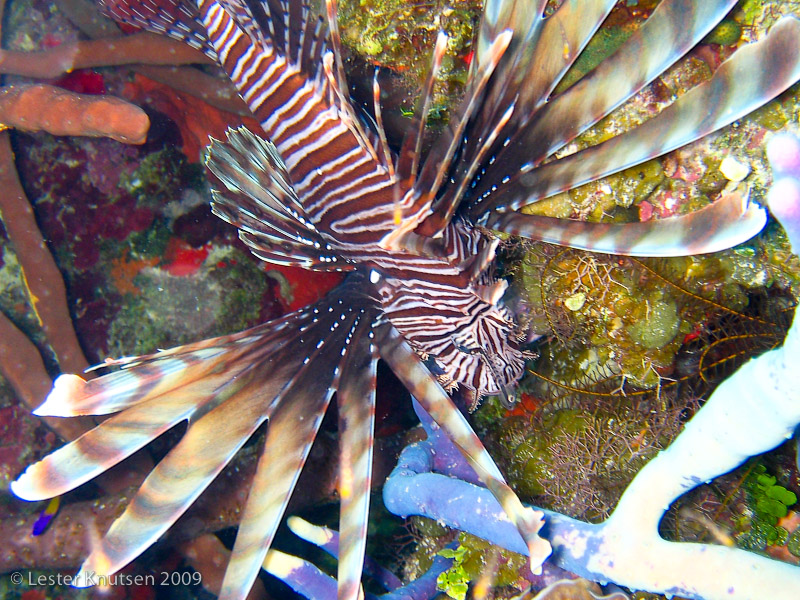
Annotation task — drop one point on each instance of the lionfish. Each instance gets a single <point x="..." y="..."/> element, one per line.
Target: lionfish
<point x="320" y="187"/>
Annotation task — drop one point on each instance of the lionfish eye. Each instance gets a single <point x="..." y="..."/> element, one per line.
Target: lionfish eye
<point x="507" y="397"/>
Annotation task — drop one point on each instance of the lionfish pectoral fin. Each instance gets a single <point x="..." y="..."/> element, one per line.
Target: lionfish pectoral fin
<point x="154" y="375"/>
<point x="729" y="221"/>
<point x="564" y="35"/>
<point x="290" y="433"/>
<point x="356" y="402"/>
<point x="292" y="428"/>
<point x="754" y="75"/>
<point x="225" y="387"/>
<point x="179" y="478"/>
<point x="672" y="30"/>
<point x="153" y="393"/>
<point x="423" y="386"/>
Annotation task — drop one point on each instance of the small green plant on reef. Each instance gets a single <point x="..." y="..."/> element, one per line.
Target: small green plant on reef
<point x="455" y="581"/>
<point x="473" y="559"/>
<point x="768" y="502"/>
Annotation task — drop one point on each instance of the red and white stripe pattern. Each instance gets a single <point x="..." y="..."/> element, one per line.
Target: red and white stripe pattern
<point x="445" y="305"/>
<point x="346" y="190"/>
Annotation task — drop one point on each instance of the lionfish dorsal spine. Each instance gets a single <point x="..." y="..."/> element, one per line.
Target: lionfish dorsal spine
<point x="705" y="108"/>
<point x="439" y="161"/>
<point x="654" y="46"/>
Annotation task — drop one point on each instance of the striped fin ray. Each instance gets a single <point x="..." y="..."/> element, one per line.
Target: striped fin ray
<point x="73" y="396"/>
<point x="569" y="29"/>
<point x="723" y="224"/>
<point x="239" y="396"/>
<point x="333" y="66"/>
<point x="541" y="52"/>
<point x="260" y="201"/>
<point x="339" y="80"/>
<point x="674" y="28"/>
<point x="356" y="402"/>
<point x="290" y="432"/>
<point x="754" y="75"/>
<point x="160" y="374"/>
<point x="498" y="16"/>
<point x="180" y="477"/>
<point x="120" y="436"/>
<point x="440" y="157"/>
<point x="271" y="371"/>
<point x="177" y="19"/>
<point x="408" y="160"/>
<point x="524" y="71"/>
<point x="423" y="386"/>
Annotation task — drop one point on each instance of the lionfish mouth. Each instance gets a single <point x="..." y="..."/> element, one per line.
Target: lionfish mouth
<point x="326" y="193"/>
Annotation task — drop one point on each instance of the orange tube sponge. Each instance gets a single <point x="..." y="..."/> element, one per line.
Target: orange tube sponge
<point x="43" y="107"/>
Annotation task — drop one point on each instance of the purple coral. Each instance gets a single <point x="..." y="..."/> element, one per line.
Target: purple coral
<point x="432" y="479"/>
<point x="751" y="412"/>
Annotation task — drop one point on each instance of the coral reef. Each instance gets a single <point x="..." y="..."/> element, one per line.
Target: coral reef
<point x="751" y="412"/>
<point x="629" y="345"/>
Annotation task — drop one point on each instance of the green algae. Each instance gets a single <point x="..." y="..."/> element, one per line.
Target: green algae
<point x="162" y="176"/>
<point x="224" y="296"/>
<point x="399" y="35"/>
<point x="767" y="502"/>
<point x="475" y="559"/>
<point x="660" y="326"/>
<point x="793" y="542"/>
<point x="727" y="33"/>
<point x="602" y="45"/>
<point x="152" y="242"/>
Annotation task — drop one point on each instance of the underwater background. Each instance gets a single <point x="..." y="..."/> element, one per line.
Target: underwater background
<point x="133" y="260"/>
